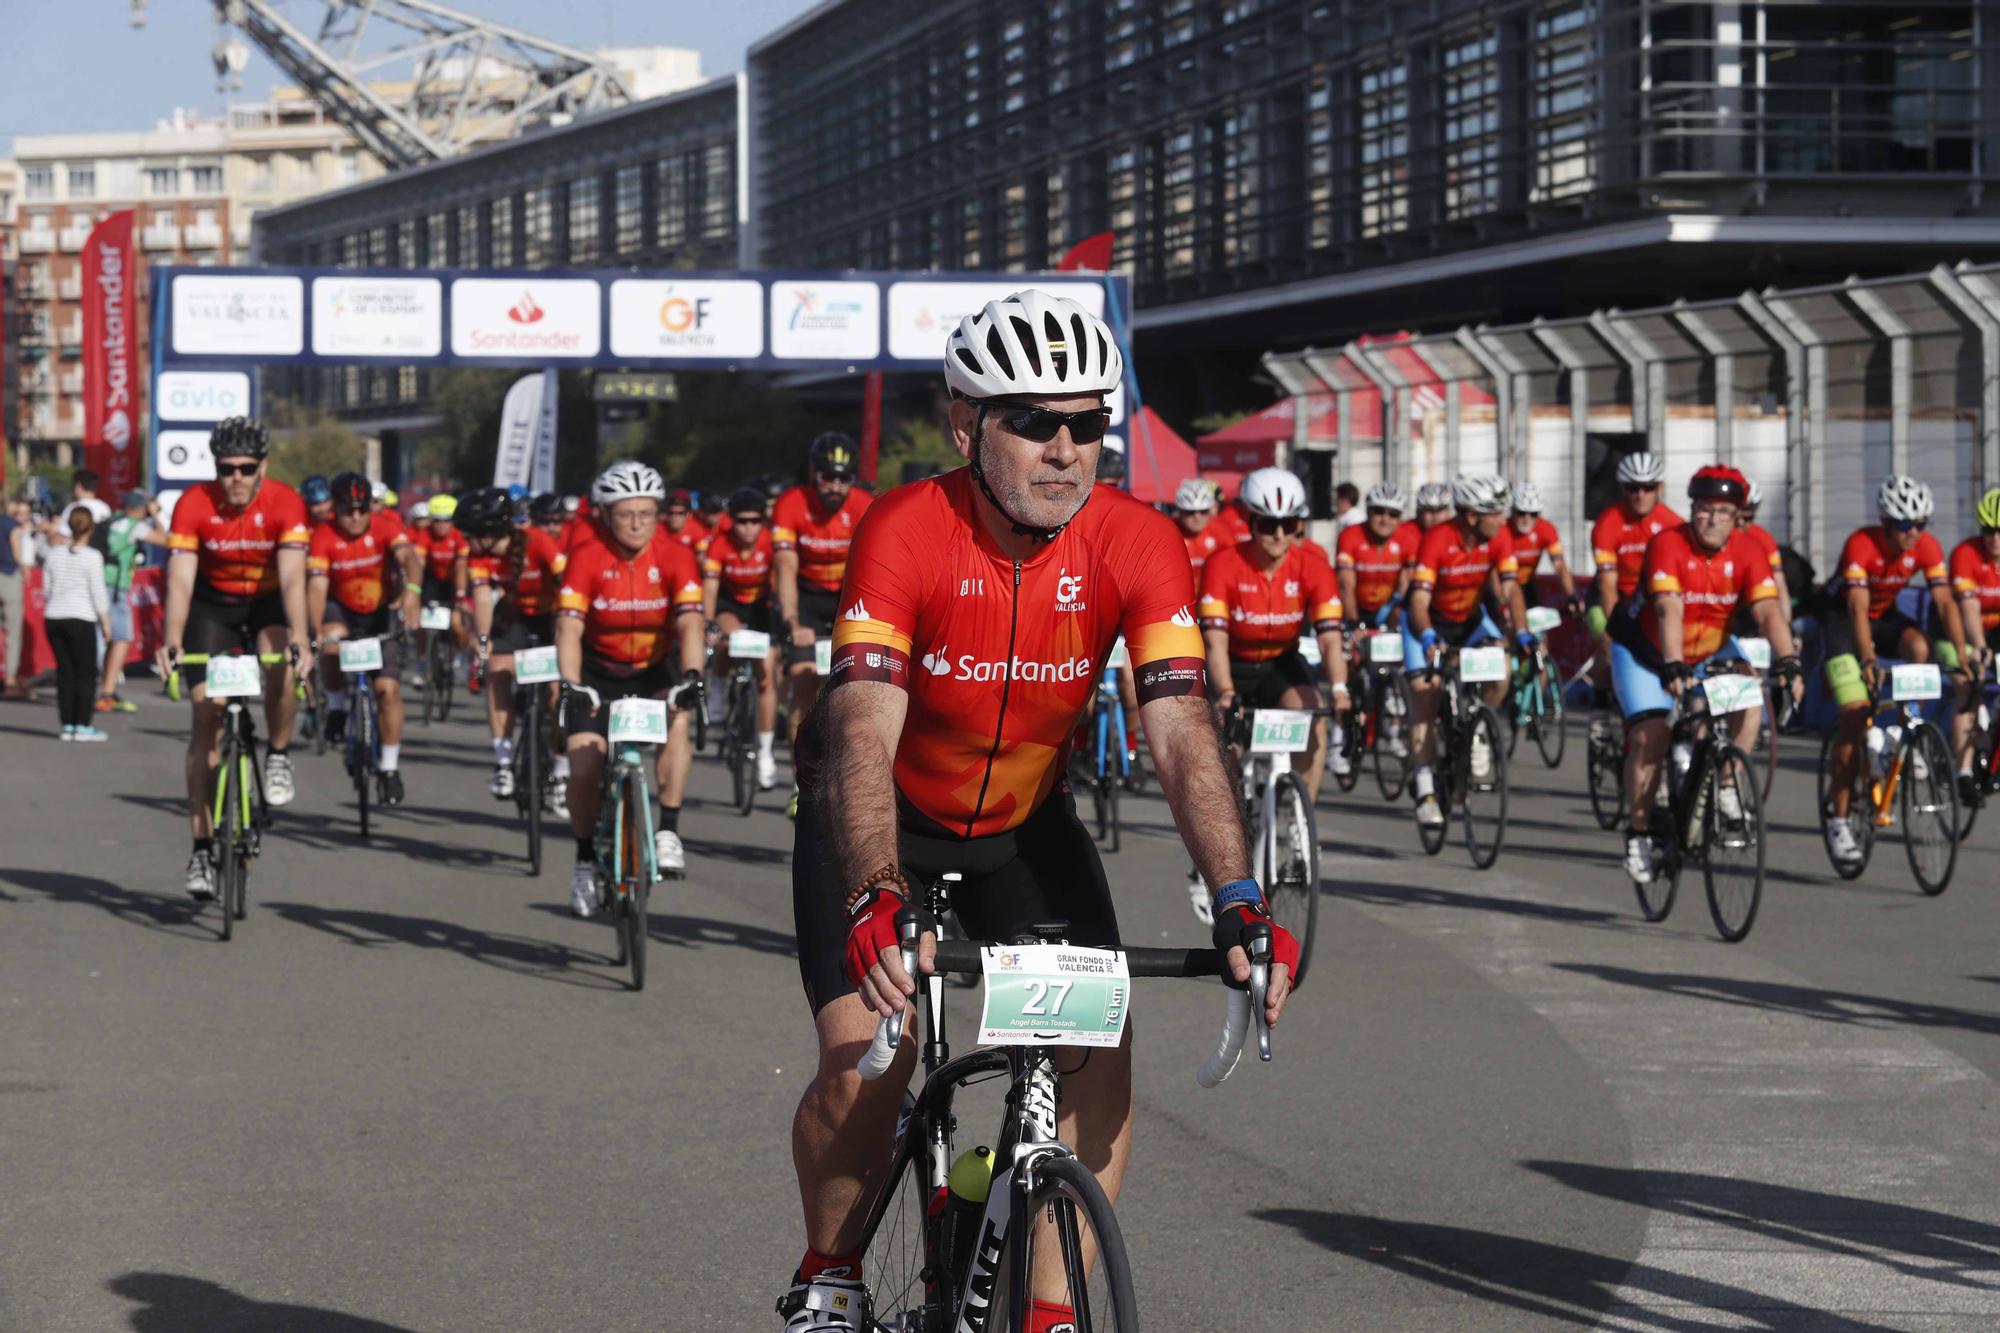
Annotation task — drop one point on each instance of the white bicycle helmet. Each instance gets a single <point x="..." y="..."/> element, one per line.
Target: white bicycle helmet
<point x="1433" y="495"/>
<point x="1194" y="496"/>
<point x="1480" y="492"/>
<point x="1031" y="343"/>
<point x="377" y="489"/>
<point x="1385" y="495"/>
<point x="1755" y="497"/>
<point x="420" y="511"/>
<point x="1527" y="498"/>
<point x="1905" y="499"/>
<point x="629" y="480"/>
<point x="1274" y="492"/>
<point x="1642" y="469"/>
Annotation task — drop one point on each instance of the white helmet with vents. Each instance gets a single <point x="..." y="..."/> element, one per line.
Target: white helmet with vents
<point x="1905" y="499"/>
<point x="1433" y="495"/>
<point x="629" y="480"/>
<point x="1194" y="496"/>
<point x="1642" y="469"/>
<point x="1385" y="495"/>
<point x="1031" y="343"/>
<point x="1274" y="492"/>
<point x="1480" y="492"/>
<point x="1527" y="498"/>
<point x="1756" y="495"/>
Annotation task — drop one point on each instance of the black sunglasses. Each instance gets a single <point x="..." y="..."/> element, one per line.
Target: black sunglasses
<point x="1264" y="527"/>
<point x="1640" y="488"/>
<point x="1040" y="424"/>
<point x="236" y="469"/>
<point x="1376" y="511"/>
<point x="740" y="519"/>
<point x="830" y="478"/>
<point x="1907" y="524"/>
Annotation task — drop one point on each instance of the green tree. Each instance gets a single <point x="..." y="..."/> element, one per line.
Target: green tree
<point x="304" y="443"/>
<point x="916" y="446"/>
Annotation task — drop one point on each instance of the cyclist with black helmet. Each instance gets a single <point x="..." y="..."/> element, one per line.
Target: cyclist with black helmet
<point x="358" y="566"/>
<point x="1111" y="467"/>
<point x="677" y="520"/>
<point x="317" y="492"/>
<point x="545" y="511"/>
<point x="512" y="574"/>
<point x="236" y="578"/>
<point x="811" y="530"/>
<point x="736" y="595"/>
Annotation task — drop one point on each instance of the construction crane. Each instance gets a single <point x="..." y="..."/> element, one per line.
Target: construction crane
<point x="415" y="81"/>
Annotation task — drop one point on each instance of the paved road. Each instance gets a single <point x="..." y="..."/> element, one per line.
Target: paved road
<point x="413" y="1093"/>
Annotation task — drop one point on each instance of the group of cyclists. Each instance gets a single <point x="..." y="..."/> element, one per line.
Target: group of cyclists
<point x="938" y="645"/>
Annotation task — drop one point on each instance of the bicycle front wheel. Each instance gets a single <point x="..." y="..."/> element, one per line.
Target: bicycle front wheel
<point x="1392" y="735"/>
<point x="361" y="749"/>
<point x="635" y="870"/>
<point x="1604" y="773"/>
<point x="1291" y="864"/>
<point x="229" y="843"/>
<point x="528" y="784"/>
<point x="1930" y="808"/>
<point x="1070" y="1215"/>
<point x="905" y="1288"/>
<point x="1482" y="793"/>
<point x="1732" y="859"/>
<point x="1549" y="718"/>
<point x="1860" y="807"/>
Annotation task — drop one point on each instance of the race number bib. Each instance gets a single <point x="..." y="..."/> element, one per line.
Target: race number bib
<point x="235" y="678"/>
<point x="535" y="666"/>
<point x="823" y="656"/>
<point x="1385" y="649"/>
<point x="1757" y="652"/>
<point x="749" y="645"/>
<point x="638" y="722"/>
<point x="434" y="617"/>
<point x="1733" y="694"/>
<point x="1477" y="666"/>
<point x="1915" y="682"/>
<point x="358" y="655"/>
<point x="1542" y="619"/>
<point x="1054" y="995"/>
<point x="1280" y="731"/>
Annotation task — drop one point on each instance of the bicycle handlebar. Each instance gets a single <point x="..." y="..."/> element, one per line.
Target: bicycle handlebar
<point x="203" y="659"/>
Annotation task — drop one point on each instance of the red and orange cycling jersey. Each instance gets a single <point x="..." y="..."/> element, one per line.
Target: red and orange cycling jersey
<point x="1230" y="526"/>
<point x="1200" y="547"/>
<point x="628" y="605"/>
<point x="1973" y="575"/>
<point x="1619" y="537"/>
<point x="798" y="523"/>
<point x="1868" y="560"/>
<point x="1454" y="566"/>
<point x="743" y="575"/>
<point x="693" y="534"/>
<point x="440" y="553"/>
<point x="1766" y="543"/>
<point x="360" y="571"/>
<point x="236" y="550"/>
<point x="1264" y="614"/>
<point x="1002" y="658"/>
<point x="1377" y="565"/>
<point x="1529" y="546"/>
<point x="541" y="569"/>
<point x="1711" y="587"/>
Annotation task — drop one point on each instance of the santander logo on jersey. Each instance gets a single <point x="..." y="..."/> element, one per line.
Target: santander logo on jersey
<point x="970" y="668"/>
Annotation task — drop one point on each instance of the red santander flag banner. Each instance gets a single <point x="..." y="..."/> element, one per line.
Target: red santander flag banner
<point x="111" y="356"/>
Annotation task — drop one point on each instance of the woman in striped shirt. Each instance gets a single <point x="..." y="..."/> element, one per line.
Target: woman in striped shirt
<point x="77" y="606"/>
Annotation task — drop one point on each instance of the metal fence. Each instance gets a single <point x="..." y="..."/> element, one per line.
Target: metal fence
<point x="1817" y="394"/>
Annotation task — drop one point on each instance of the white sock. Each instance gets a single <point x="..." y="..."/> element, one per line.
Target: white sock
<point x="560" y="768"/>
<point x="391" y="756"/>
<point x="503" y="750"/>
<point x="1424" y="782"/>
<point x="336" y="701"/>
<point x="764" y="742"/>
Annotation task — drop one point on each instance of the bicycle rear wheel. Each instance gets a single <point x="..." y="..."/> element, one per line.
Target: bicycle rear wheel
<point x="229" y="844"/>
<point x="1930" y="807"/>
<point x="1549" y="721"/>
<point x="1767" y="736"/>
<point x="1111" y="785"/>
<point x="635" y="870"/>
<point x="1860" y="807"/>
<point x="529" y="777"/>
<point x="1077" y="1218"/>
<point x="1392" y="735"/>
<point x="1291" y="864"/>
<point x="1732" y="839"/>
<point x="1604" y="775"/>
<point x="1483" y="796"/>
<point x="361" y="748"/>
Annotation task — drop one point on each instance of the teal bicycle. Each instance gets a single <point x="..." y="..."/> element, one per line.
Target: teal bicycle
<point x="1535" y="701"/>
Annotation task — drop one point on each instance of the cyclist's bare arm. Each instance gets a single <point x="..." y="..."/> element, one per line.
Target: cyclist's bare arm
<point x="413" y="582"/>
<point x="1344" y="577"/>
<point x="1333" y="653"/>
<point x="1970" y="615"/>
<point x="569" y="648"/>
<point x="1507" y="592"/>
<point x="711" y="595"/>
<point x="1954" y="624"/>
<point x="461" y="575"/>
<point x="1216" y="642"/>
<point x="1857" y="615"/>
<point x="181" y="569"/>
<point x="482" y="612"/>
<point x="1563" y="576"/>
<point x="693" y="631"/>
<point x="292" y="587"/>
<point x="785" y="576"/>
<point x="1420" y="611"/>
<point x="1607" y="590"/>
<point x="317" y="584"/>
<point x="1672" y="611"/>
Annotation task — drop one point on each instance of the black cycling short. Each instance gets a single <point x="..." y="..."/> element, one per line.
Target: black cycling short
<point x="523" y="632"/>
<point x="381" y="623"/>
<point x="757" y="616"/>
<point x="219" y="625"/>
<point x="1886" y="633"/>
<point x="439" y="592"/>
<point x="652" y="683"/>
<point x="1263" y="684"/>
<point x="817" y="608"/>
<point x="1046" y="869"/>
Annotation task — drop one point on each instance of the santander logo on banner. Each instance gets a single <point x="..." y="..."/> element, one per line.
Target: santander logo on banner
<point x="525" y="311"/>
<point x="505" y="318"/>
<point x="110" y="385"/>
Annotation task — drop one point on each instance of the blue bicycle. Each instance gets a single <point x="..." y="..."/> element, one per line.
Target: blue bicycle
<point x="1107" y="765"/>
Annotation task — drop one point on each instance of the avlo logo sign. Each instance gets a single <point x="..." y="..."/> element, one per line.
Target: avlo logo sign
<point x="202" y="395"/>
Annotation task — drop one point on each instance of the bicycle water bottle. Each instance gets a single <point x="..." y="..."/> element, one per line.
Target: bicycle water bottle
<point x="1683" y="757"/>
<point x="1878" y="750"/>
<point x="960" y="1205"/>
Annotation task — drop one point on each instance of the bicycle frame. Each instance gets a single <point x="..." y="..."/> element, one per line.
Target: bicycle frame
<point x="1110" y="728"/>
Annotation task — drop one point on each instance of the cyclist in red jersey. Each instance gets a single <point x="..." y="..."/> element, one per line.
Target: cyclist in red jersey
<point x="977" y="614"/>
<point x="360" y="564"/>
<point x="1975" y="581"/>
<point x="811" y="529"/>
<point x="1532" y="537"/>
<point x="1746" y="518"/>
<point x="1194" y="512"/>
<point x="1232" y="524"/>
<point x="442" y="548"/>
<point x="512" y="572"/>
<point x="1433" y="505"/>
<point x="713" y="511"/>
<point x="1693" y="578"/>
<point x="1460" y="567"/>
<point x="317" y="493"/>
<point x="677" y="520"/>
<point x="1619" y="536"/>
<point x="1373" y="558"/>
<point x="236" y="578"/>
<point x="736" y="595"/>
<point x="628" y="624"/>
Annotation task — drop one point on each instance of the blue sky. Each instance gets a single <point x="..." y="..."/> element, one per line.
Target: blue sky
<point x="137" y="76"/>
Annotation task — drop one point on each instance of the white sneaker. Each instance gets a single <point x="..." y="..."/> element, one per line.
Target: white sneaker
<point x="583" y="889"/>
<point x="1729" y="803"/>
<point x="667" y="853"/>
<point x="1841" y="842"/>
<point x="1429" y="813"/>
<point x="556" y="801"/>
<point x="767" y="772"/>
<point x="501" y="784"/>
<point x="278" y="788"/>
<point x="1601" y="732"/>
<point x="1391" y="738"/>
<point x="1198" y="899"/>
<point x="1639" y="857"/>
<point x="825" y="1305"/>
<point x="201" y="878"/>
<point x="1482" y="757"/>
<point x="1337" y="762"/>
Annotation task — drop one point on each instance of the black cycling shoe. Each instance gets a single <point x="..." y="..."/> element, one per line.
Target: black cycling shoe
<point x="336" y="726"/>
<point x="390" y="786"/>
<point x="1969" y="794"/>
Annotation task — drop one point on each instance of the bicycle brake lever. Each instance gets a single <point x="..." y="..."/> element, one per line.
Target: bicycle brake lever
<point x="1260" y="981"/>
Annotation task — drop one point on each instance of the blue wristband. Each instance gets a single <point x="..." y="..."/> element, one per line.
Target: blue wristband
<point x="1238" y="891"/>
<point x="1428" y="638"/>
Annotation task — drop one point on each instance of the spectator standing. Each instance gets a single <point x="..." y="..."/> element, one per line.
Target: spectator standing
<point x="1347" y="510"/>
<point x="83" y="494"/>
<point x="137" y="525"/>
<point x="15" y="533"/>
<point x="76" y="605"/>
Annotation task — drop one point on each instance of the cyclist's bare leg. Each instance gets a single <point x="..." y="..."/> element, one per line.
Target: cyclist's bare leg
<point x="1097" y="1119"/>
<point x="1645" y="747"/>
<point x="765" y="674"/>
<point x="1307" y="763"/>
<point x="499" y="695"/>
<point x="676" y="757"/>
<point x="844" y="1129"/>
<point x="1853" y="725"/>
<point x="204" y="752"/>
<point x="281" y="709"/>
<point x="1424" y="695"/>
<point x="389" y="707"/>
<point x="804" y="682"/>
<point x="586" y="768"/>
<point x="331" y="677"/>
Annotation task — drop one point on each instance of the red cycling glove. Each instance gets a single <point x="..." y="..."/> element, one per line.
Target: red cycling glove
<point x="871" y="928"/>
<point x="1232" y="930"/>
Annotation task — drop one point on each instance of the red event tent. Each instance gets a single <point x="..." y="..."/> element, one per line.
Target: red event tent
<point x="1157" y="458"/>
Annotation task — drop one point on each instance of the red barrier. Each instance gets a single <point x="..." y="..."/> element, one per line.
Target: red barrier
<point x="148" y="620"/>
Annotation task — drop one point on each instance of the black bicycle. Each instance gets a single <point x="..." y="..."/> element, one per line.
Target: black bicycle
<point x="737" y="737"/>
<point x="438" y="681"/>
<point x="1380" y="722"/>
<point x="969" y="1263"/>
<point x="533" y="750"/>
<point x="1471" y="768"/>
<point x="239" y="814"/>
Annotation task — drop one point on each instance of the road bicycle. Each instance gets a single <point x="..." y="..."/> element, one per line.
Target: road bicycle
<point x="736" y="739"/>
<point x="951" y="1242"/>
<point x="1380" y="722"/>
<point x="360" y="660"/>
<point x="1105" y="766"/>
<point x="1471" y="767"/>
<point x="533" y="748"/>
<point x="438" y="681"/>
<point x="1277" y="812"/>
<point x="1535" y="700"/>
<point x="1907" y="759"/>
<point x="239" y="814"/>
<point x="1985" y="707"/>
<point x="1709" y="799"/>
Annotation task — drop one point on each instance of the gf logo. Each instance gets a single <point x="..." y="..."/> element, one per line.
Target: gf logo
<point x="1291" y="587"/>
<point x="1069" y="586"/>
